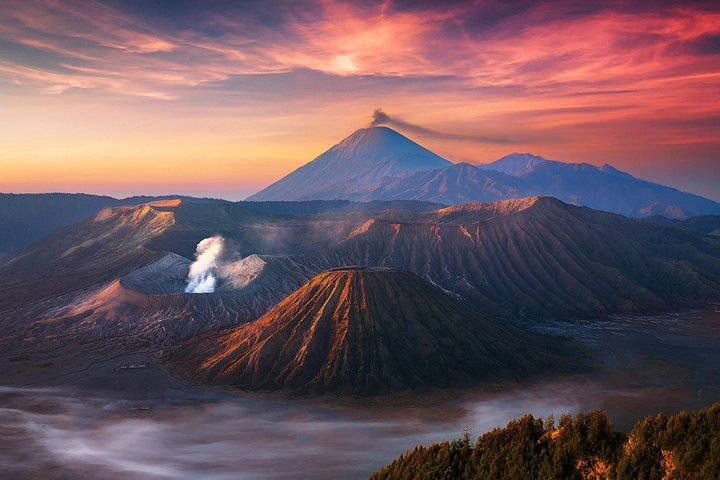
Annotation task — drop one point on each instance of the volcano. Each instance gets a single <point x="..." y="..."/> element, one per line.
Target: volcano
<point x="353" y="166"/>
<point x="364" y="331"/>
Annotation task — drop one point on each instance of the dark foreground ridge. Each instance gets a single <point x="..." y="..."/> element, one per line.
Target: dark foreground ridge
<point x="682" y="446"/>
<point x="365" y="331"/>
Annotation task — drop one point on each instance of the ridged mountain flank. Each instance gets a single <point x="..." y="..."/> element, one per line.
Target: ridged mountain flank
<point x="363" y="331"/>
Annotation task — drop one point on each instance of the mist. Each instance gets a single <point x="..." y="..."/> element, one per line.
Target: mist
<point x="57" y="431"/>
<point x="171" y="430"/>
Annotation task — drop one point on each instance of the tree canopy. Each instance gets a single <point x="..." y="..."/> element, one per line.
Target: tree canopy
<point x="682" y="446"/>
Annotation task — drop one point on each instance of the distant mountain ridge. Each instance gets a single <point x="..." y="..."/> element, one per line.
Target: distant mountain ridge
<point x="27" y="217"/>
<point x="532" y="257"/>
<point x="378" y="163"/>
<point x="602" y="188"/>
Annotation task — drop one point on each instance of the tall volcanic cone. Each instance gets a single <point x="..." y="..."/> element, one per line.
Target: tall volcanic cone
<point x="363" y="331"/>
<point x="353" y="167"/>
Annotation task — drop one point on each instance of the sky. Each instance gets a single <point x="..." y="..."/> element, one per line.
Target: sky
<point x="220" y="98"/>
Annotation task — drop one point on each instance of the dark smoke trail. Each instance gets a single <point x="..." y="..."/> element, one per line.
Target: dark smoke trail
<point x="382" y="118"/>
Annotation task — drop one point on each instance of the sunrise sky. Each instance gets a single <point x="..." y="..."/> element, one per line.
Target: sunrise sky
<point x="220" y="98"/>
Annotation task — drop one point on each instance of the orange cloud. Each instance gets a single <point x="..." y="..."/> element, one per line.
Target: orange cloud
<point x="618" y="82"/>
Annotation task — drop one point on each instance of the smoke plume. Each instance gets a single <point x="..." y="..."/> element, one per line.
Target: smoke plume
<point x="382" y="118"/>
<point x="201" y="278"/>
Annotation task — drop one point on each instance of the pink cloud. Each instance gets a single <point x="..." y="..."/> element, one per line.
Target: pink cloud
<point x="604" y="50"/>
<point x="539" y="75"/>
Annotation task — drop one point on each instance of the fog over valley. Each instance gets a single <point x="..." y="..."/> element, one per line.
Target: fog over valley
<point x="173" y="430"/>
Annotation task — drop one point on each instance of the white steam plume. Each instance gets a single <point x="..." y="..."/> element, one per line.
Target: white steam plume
<point x="201" y="278"/>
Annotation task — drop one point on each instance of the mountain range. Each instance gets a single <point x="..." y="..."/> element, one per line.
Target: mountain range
<point x="314" y="295"/>
<point x="378" y="163"/>
<point x="122" y="274"/>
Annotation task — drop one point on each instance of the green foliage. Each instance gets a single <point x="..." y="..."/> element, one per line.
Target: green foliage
<point x="684" y="446"/>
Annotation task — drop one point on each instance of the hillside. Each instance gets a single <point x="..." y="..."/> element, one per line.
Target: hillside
<point x="458" y="183"/>
<point x="26" y="218"/>
<point x="364" y="331"/>
<point x="533" y="257"/>
<point x="705" y="224"/>
<point x="586" y="447"/>
<point x="95" y="250"/>
<point x="540" y="257"/>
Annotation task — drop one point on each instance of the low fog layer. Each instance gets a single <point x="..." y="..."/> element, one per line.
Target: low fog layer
<point x="660" y="364"/>
<point x="55" y="432"/>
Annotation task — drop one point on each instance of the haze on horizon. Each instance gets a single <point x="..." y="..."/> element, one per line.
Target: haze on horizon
<point x="220" y="99"/>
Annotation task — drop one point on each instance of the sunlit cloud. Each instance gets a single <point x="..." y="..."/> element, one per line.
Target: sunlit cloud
<point x="557" y="78"/>
<point x="609" y="48"/>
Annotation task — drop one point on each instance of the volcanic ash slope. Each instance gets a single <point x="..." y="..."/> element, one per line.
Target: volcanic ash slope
<point x="364" y="331"/>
